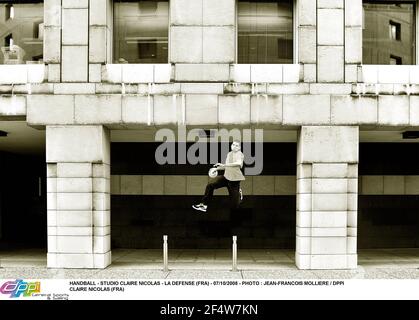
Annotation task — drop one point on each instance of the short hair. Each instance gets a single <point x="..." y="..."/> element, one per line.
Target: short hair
<point x="237" y="140"/>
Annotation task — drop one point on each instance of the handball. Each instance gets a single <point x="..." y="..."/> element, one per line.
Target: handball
<point x="213" y="172"/>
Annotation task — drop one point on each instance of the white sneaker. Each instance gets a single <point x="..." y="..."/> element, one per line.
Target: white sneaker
<point x="241" y="194"/>
<point x="200" y="207"/>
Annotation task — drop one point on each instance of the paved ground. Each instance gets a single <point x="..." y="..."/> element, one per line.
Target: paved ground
<point x="212" y="264"/>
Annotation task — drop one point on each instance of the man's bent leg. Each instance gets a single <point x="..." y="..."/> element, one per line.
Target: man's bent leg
<point x="216" y="183"/>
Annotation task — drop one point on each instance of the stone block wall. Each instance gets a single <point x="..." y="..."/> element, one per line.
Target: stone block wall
<point x="78" y="186"/>
<point x="202" y="31"/>
<point x="327" y="183"/>
<point x="330" y="40"/>
<point x="78" y="39"/>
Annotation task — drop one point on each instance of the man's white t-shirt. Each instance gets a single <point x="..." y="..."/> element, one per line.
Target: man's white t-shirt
<point x="234" y="173"/>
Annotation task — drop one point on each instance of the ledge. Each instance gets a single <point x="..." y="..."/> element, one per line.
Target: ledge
<point x="137" y="73"/>
<point x="266" y="73"/>
<point x="22" y="74"/>
<point x="389" y="74"/>
<point x="213" y="109"/>
<point x="235" y="73"/>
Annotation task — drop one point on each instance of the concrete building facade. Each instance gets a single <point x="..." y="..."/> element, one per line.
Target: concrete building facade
<point x="326" y="103"/>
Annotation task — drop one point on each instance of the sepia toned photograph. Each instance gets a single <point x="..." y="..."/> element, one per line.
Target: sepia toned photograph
<point x="217" y="149"/>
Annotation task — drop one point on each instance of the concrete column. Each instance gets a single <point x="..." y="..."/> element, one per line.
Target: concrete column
<point x="327" y="182"/>
<point x="353" y="39"/>
<point x="75" y="37"/>
<point x="52" y="39"/>
<point x="78" y="199"/>
<point x="100" y="37"/>
<point x="307" y="38"/>
<point x="330" y="41"/>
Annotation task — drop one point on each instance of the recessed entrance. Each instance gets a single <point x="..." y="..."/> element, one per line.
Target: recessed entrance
<point x="149" y="201"/>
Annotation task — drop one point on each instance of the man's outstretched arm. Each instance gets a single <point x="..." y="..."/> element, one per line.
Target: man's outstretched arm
<point x="238" y="163"/>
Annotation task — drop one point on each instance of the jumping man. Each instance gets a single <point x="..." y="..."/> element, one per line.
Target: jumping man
<point x="231" y="179"/>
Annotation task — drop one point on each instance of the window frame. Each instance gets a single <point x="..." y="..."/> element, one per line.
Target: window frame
<point x="294" y="32"/>
<point x="112" y="51"/>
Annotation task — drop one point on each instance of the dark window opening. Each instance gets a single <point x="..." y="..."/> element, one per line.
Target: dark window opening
<point x="8" y="40"/>
<point x="394" y="60"/>
<point x="9" y="12"/>
<point x="395" y="31"/>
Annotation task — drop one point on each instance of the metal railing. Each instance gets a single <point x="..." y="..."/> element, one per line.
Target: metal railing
<point x="166" y="254"/>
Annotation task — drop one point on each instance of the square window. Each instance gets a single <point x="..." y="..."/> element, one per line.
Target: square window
<point x="265" y="31"/>
<point x="141" y="31"/>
